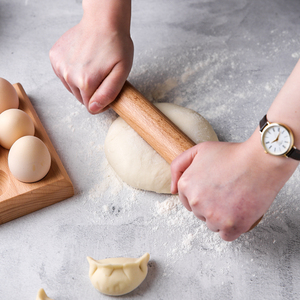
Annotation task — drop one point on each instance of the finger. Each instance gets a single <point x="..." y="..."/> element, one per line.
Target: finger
<point x="57" y="70"/>
<point x="68" y="79"/>
<point x="108" y="90"/>
<point x="212" y="226"/>
<point x="197" y="211"/>
<point x="58" y="74"/>
<point x="179" y="165"/>
<point x="76" y="92"/>
<point x="72" y="89"/>
<point x="70" y="86"/>
<point x="184" y="201"/>
<point x="229" y="237"/>
<point x="65" y="84"/>
<point x="230" y="230"/>
<point x="104" y="109"/>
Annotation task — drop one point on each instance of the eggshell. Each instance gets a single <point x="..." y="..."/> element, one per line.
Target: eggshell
<point x="8" y="96"/>
<point x="29" y="159"/>
<point x="14" y="123"/>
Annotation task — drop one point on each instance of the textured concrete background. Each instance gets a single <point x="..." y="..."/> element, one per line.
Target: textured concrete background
<point x="225" y="59"/>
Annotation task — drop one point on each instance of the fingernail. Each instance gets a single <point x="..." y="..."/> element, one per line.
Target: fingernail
<point x="95" y="107"/>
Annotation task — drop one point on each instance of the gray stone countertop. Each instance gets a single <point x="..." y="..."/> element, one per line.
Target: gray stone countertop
<point x="226" y="60"/>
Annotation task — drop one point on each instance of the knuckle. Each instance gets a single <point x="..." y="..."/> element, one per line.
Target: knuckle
<point x="183" y="183"/>
<point x="229" y="231"/>
<point x="210" y="215"/>
<point x="193" y="201"/>
<point x="85" y="82"/>
<point x="67" y="75"/>
<point x="52" y="54"/>
<point x="228" y="226"/>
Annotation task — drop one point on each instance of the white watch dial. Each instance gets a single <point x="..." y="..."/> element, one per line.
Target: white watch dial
<point x="276" y="139"/>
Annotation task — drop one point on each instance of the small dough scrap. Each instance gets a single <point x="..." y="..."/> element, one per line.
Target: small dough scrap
<point x="42" y="295"/>
<point x="137" y="163"/>
<point x="118" y="276"/>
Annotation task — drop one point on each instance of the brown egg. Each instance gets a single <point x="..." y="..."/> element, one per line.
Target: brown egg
<point x="14" y="123"/>
<point x="8" y="96"/>
<point x="29" y="159"/>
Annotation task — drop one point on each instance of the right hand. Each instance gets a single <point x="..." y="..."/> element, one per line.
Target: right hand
<point x="93" y="63"/>
<point x="229" y="185"/>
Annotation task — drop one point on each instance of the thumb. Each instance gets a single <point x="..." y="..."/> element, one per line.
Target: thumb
<point x="108" y="90"/>
<point x="180" y="164"/>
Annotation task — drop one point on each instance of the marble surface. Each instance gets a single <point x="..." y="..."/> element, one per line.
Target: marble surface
<point x="225" y="59"/>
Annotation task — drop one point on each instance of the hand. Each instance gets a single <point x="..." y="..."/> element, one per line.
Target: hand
<point x="230" y="186"/>
<point x="93" y="63"/>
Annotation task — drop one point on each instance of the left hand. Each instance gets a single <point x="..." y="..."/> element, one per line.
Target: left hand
<point x="93" y="63"/>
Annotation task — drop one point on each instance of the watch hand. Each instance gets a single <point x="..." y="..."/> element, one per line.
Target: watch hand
<point x="276" y="138"/>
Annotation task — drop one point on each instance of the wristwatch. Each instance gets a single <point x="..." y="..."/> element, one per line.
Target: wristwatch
<point x="278" y="139"/>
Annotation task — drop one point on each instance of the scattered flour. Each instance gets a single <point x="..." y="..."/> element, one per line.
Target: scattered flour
<point x="166" y="206"/>
<point x="163" y="88"/>
<point x="166" y="214"/>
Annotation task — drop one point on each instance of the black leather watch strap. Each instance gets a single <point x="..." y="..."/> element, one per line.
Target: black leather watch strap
<point x="294" y="153"/>
<point x="263" y="123"/>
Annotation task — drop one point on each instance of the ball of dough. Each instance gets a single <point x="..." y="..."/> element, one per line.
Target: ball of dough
<point x="29" y="159"/>
<point x="137" y="163"/>
<point x="14" y="123"/>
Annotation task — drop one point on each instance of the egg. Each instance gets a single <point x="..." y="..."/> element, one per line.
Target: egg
<point x="14" y="123"/>
<point x="29" y="159"/>
<point x="8" y="96"/>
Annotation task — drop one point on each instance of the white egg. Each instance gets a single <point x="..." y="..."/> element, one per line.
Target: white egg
<point x="14" y="123"/>
<point x="29" y="159"/>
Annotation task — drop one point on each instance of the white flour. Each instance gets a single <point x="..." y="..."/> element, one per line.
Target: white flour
<point x="163" y="214"/>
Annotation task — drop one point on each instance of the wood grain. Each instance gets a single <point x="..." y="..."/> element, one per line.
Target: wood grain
<point x="17" y="198"/>
<point x="150" y="123"/>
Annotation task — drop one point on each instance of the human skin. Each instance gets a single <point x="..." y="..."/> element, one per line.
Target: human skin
<point x="231" y="185"/>
<point x="93" y="59"/>
<point x="228" y="185"/>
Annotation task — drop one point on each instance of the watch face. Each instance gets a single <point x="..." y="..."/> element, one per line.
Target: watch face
<point x="276" y="139"/>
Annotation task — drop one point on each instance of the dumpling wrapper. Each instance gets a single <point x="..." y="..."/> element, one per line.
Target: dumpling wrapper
<point x="42" y="295"/>
<point x="118" y="276"/>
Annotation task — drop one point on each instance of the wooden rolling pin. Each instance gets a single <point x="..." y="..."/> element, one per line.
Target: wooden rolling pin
<point x="152" y="125"/>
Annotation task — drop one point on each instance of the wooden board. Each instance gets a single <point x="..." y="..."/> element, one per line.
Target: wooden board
<point x="17" y="198"/>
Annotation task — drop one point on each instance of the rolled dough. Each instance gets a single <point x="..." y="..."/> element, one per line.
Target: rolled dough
<point x="137" y="163"/>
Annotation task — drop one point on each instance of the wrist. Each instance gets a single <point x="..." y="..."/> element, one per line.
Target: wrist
<point x="286" y="106"/>
<point x="110" y="16"/>
<point x="278" y="169"/>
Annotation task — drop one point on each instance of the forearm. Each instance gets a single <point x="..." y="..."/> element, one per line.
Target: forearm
<point x="286" y="106"/>
<point x="285" y="109"/>
<point x="114" y="15"/>
<point x="247" y="181"/>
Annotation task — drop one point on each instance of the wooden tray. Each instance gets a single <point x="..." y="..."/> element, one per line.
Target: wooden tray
<point x="17" y="198"/>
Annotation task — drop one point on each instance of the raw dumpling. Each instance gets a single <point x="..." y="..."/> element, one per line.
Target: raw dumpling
<point x="42" y="295"/>
<point x="118" y="276"/>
